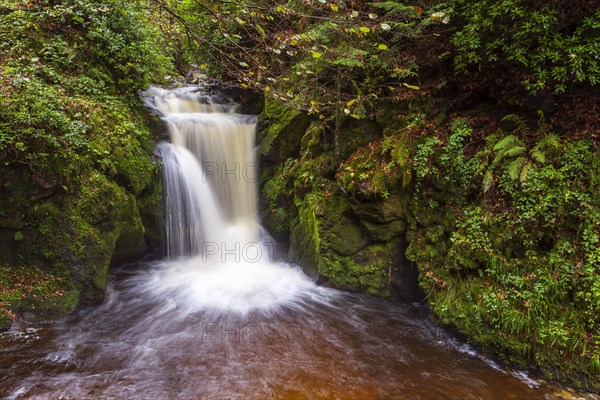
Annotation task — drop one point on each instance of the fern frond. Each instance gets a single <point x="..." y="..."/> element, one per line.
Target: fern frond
<point x="541" y="118"/>
<point x="514" y="151"/>
<point x="514" y="168"/>
<point x="400" y="154"/>
<point x="488" y="180"/>
<point x="499" y="157"/>
<point x="543" y="128"/>
<point x="538" y="155"/>
<point x="520" y="123"/>
<point x="489" y="140"/>
<point x="524" y="171"/>
<point x="347" y="62"/>
<point x="507" y="142"/>
<point x="549" y="140"/>
<point x="394" y="7"/>
<point x="406" y="178"/>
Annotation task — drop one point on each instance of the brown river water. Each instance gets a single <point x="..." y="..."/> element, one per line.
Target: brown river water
<point x="320" y="344"/>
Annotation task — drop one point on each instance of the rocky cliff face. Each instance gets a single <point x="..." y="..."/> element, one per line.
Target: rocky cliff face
<point x="346" y="241"/>
<point x="71" y="235"/>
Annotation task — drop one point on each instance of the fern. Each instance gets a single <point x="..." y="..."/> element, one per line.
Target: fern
<point x="514" y="151"/>
<point x="538" y="155"/>
<point x="347" y="62"/>
<point x="401" y="154"/>
<point x="393" y="7"/>
<point x="488" y="180"/>
<point x="525" y="171"/>
<point x="514" y="168"/>
<point x="507" y="142"/>
<point x="543" y="128"/>
<point x="550" y="140"/>
<point x="520" y="124"/>
<point x="513" y="147"/>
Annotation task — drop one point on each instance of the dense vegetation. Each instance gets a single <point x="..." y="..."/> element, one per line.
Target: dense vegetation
<point x="75" y="151"/>
<point x="460" y="135"/>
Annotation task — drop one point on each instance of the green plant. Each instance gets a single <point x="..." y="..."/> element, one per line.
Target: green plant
<point x="512" y="151"/>
<point x="554" y="44"/>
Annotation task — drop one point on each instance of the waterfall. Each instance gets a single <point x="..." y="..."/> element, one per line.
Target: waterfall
<point x="218" y="257"/>
<point x="210" y="175"/>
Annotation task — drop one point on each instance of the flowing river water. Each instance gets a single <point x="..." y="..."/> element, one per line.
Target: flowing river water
<point x="222" y="318"/>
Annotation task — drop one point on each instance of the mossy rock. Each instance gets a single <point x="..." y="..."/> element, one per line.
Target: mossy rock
<point x="150" y="206"/>
<point x="329" y="241"/>
<point x="277" y="221"/>
<point x="345" y="273"/>
<point x="384" y="232"/>
<point x="71" y="236"/>
<point x="48" y="309"/>
<point x="313" y="142"/>
<point x="131" y="243"/>
<point x="340" y="230"/>
<point x="378" y="269"/>
<point x="357" y="133"/>
<point x="281" y="131"/>
<point x="382" y="210"/>
<point x="304" y="238"/>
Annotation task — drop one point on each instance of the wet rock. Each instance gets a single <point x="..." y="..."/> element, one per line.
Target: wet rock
<point x="382" y="210"/>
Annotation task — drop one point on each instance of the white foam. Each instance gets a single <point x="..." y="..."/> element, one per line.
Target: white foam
<point x="201" y="283"/>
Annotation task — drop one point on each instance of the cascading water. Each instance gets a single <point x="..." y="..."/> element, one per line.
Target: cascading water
<point x="213" y="236"/>
<point x="219" y="319"/>
<point x="209" y="174"/>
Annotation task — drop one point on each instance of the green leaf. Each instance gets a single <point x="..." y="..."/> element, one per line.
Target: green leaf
<point x="488" y="179"/>
<point x="514" y="151"/>
<point x="413" y="87"/>
<point x="538" y="156"/>
<point x="514" y="168"/>
<point x="506" y="142"/>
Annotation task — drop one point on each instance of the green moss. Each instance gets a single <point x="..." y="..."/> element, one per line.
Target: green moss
<point x="278" y="222"/>
<point x="340" y="231"/>
<point x="329" y="241"/>
<point x="75" y="148"/>
<point x="304" y="234"/>
<point x="355" y="134"/>
<point x="385" y="232"/>
<point x="283" y="129"/>
<point x="507" y="270"/>
<point x="276" y="116"/>
<point x="505" y="242"/>
<point x="345" y="273"/>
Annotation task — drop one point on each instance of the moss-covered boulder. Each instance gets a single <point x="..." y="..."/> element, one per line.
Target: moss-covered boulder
<point x="329" y="240"/>
<point x="282" y="129"/>
<point x="69" y="237"/>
